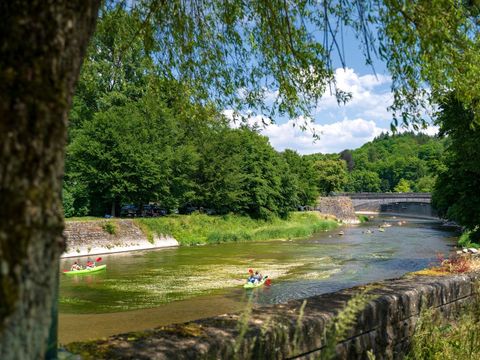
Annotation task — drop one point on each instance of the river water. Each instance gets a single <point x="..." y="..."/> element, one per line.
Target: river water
<point x="141" y="290"/>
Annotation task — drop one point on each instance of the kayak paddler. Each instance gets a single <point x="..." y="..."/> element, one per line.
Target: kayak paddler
<point x="90" y="264"/>
<point x="75" y="266"/>
<point x="251" y="278"/>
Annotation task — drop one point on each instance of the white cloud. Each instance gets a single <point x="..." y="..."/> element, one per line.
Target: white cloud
<point x="335" y="137"/>
<point x="431" y="130"/>
<point x="370" y="97"/>
<point x="345" y="134"/>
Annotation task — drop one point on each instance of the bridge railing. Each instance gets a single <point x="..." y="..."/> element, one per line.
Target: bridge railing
<point x="370" y="195"/>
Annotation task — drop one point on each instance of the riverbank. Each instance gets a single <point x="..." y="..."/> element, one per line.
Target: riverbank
<point x="198" y="229"/>
<point x="90" y="236"/>
<point x="94" y="236"/>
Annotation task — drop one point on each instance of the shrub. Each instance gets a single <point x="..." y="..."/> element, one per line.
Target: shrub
<point x="109" y="227"/>
<point x="455" y="263"/>
<point x="363" y="218"/>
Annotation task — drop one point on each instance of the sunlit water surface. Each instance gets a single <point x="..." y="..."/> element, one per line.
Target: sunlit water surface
<point x="146" y="289"/>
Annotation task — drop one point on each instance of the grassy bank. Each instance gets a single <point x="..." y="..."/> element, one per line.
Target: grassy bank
<point x="468" y="240"/>
<point x="204" y="229"/>
<point x="438" y="338"/>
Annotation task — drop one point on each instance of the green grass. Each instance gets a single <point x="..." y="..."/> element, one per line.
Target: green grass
<point x="438" y="338"/>
<point x="84" y="218"/>
<point x="203" y="229"/>
<point x="466" y="240"/>
<point x="363" y="218"/>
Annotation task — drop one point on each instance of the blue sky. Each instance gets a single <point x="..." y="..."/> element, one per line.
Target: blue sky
<point x="349" y="126"/>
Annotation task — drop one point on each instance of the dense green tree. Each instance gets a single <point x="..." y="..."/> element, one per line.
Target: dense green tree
<point x="150" y="151"/>
<point x="220" y="176"/>
<point x="263" y="178"/>
<point x="290" y="190"/>
<point x="304" y="170"/>
<point x="403" y="186"/>
<point x="456" y="194"/>
<point x="332" y="175"/>
<point x="425" y="184"/>
<point x="432" y="153"/>
<point x="241" y="172"/>
<point x="122" y="156"/>
<point x="363" y="181"/>
<point x="118" y="67"/>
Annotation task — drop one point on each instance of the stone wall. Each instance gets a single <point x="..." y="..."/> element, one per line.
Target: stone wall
<point x="339" y="206"/>
<point x="385" y="326"/>
<point x="91" y="237"/>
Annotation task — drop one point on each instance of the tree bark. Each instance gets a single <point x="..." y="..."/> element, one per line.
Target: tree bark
<point x="42" y="43"/>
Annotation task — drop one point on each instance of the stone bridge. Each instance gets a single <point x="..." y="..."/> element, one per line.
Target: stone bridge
<point x="419" y="203"/>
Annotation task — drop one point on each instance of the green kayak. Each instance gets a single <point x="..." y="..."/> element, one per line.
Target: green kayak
<point x="85" y="271"/>
<point x="250" y="285"/>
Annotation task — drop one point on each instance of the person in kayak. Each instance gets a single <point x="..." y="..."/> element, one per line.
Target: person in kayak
<point x="75" y="266"/>
<point x="251" y="278"/>
<point x="90" y="264"/>
<point x="258" y="276"/>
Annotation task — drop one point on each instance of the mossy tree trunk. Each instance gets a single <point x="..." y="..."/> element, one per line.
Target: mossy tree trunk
<point x="42" y="43"/>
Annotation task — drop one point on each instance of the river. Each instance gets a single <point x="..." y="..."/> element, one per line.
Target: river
<point x="140" y="290"/>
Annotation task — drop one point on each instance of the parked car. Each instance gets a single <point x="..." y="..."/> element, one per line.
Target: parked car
<point x="129" y="210"/>
<point x="153" y="211"/>
<point x="209" y="211"/>
<point x="187" y="210"/>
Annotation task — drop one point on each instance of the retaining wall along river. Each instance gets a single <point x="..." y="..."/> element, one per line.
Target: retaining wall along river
<point x="385" y="326"/>
<point x="95" y="237"/>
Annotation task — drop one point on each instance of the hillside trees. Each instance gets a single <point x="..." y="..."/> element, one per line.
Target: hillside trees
<point x="402" y="186"/>
<point x="363" y="181"/>
<point x="380" y="165"/>
<point x="415" y="158"/>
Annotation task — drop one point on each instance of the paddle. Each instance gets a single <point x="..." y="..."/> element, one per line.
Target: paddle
<point x="98" y="259"/>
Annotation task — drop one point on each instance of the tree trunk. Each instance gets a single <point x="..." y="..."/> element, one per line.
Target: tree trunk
<point x="42" y="43"/>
